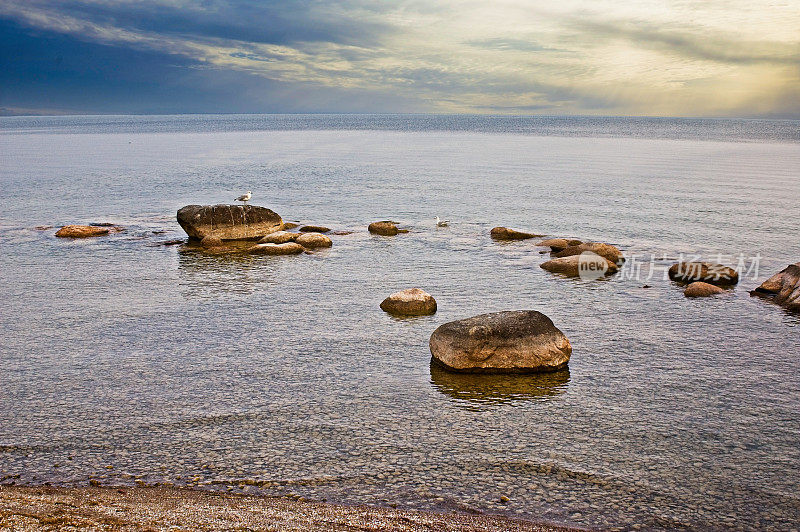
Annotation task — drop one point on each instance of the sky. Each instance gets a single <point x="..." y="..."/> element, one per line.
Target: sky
<point x="716" y="58"/>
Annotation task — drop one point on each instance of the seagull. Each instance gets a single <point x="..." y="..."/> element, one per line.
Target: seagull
<point x="441" y="223"/>
<point x="245" y="197"/>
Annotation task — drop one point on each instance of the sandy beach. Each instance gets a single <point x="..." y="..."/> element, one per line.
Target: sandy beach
<point x="160" y="508"/>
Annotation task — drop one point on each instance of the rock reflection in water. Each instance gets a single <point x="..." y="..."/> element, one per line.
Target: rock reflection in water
<point x="206" y="274"/>
<point x="478" y="391"/>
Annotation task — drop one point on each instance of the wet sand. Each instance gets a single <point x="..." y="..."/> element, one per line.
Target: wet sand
<point x="160" y="508"/>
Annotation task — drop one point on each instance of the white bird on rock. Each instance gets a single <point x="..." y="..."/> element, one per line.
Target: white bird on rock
<point x="245" y="197"/>
<point x="441" y="223"/>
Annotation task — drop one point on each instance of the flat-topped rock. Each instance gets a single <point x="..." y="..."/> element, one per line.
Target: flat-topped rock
<point x="228" y="222"/>
<point x="314" y="229"/>
<point x="289" y="248"/>
<point x="716" y="274"/>
<point x="410" y="302"/>
<point x="521" y="341"/>
<point x="313" y="240"/>
<point x="279" y="237"/>
<point x="384" y="228"/>
<point x="504" y="233"/>
<point x="82" y="231"/>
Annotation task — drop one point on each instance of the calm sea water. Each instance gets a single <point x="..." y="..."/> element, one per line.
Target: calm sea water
<point x="124" y="360"/>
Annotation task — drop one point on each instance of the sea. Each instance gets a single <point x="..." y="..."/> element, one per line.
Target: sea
<point x="130" y="359"/>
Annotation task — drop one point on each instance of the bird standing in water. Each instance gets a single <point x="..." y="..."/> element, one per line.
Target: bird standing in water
<point x="441" y="223"/>
<point x="245" y="197"/>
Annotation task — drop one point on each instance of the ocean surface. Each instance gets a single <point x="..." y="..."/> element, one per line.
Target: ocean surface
<point x="123" y="360"/>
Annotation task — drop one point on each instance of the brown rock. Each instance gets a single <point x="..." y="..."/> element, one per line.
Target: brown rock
<point x="716" y="274"/>
<point x="313" y="240"/>
<point x="211" y="242"/>
<point x="587" y="265"/>
<point x="81" y="231"/>
<point x="314" y="229"/>
<point x="701" y="289"/>
<point x="43" y="227"/>
<point x="788" y="293"/>
<point x="607" y="251"/>
<point x="289" y="248"/>
<point x="504" y="233"/>
<point x="289" y="225"/>
<point x="228" y="222"/>
<point x="279" y="237"/>
<point x="410" y="302"/>
<point x="555" y="244"/>
<point x="384" y="228"/>
<point x="523" y="341"/>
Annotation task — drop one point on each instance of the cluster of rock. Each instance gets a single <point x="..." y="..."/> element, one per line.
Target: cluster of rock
<point x="588" y="260"/>
<point x="703" y="279"/>
<point x="783" y="288"/>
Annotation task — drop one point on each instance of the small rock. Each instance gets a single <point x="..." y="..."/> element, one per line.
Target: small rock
<point x="504" y="499"/>
<point x="716" y="274"/>
<point x="81" y="231"/>
<point x="586" y="266"/>
<point x="701" y="289"/>
<point x="504" y="233"/>
<point x="410" y="302"/>
<point x="384" y="228"/>
<point x="172" y="242"/>
<point x="279" y="237"/>
<point x="314" y="240"/>
<point x="314" y="229"/>
<point x="289" y="225"/>
<point x="102" y="224"/>
<point x="43" y="227"/>
<point x="607" y="251"/>
<point x="289" y="248"/>
<point x="342" y="233"/>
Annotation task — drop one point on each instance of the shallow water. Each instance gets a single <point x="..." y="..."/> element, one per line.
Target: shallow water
<point x="126" y="360"/>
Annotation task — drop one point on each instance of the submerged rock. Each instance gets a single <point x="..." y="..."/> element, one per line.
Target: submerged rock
<point x="607" y="251"/>
<point x="290" y="225"/>
<point x="384" y="228"/>
<point x="82" y="231"/>
<point x="716" y="274"/>
<point x="410" y="302"/>
<point x="209" y="242"/>
<point x="701" y="289"/>
<point x="522" y="341"/>
<point x="504" y="233"/>
<point x="587" y="265"/>
<point x="783" y="287"/>
<point x="314" y="229"/>
<point x="313" y="240"/>
<point x="289" y="248"/>
<point x="228" y="222"/>
<point x="279" y="237"/>
<point x="559" y="244"/>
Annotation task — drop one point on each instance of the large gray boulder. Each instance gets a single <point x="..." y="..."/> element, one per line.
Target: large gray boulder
<point x="783" y="287"/>
<point x="228" y="222"/>
<point x="521" y="341"/>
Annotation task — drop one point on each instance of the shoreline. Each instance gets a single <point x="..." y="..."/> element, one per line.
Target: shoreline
<point x="164" y="508"/>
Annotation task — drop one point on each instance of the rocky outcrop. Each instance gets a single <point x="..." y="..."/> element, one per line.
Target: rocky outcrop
<point x="82" y="231"/>
<point x="504" y="233"/>
<point x="410" y="302"/>
<point x="558" y="244"/>
<point x="716" y="274"/>
<point x="522" y="341"/>
<point x="314" y="229"/>
<point x="228" y="222"/>
<point x="289" y="248"/>
<point x="783" y="288"/>
<point x="607" y="251"/>
<point x="385" y="228"/>
<point x="279" y="237"/>
<point x="701" y="289"/>
<point x="587" y="265"/>
<point x="313" y="240"/>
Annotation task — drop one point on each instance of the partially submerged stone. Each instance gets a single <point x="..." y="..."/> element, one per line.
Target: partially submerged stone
<point x="522" y="341"/>
<point x="313" y="240"/>
<point x="82" y="231"/>
<point x="701" y="289"/>
<point x="314" y="229"/>
<point x="716" y="274"/>
<point x="410" y="302"/>
<point x="504" y="233"/>
<point x="607" y="251"/>
<point x="228" y="222"/>
<point x="559" y="244"/>
<point x="289" y="248"/>
<point x="384" y="228"/>
<point x="279" y="237"/>
<point x="783" y="287"/>
<point x="587" y="265"/>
